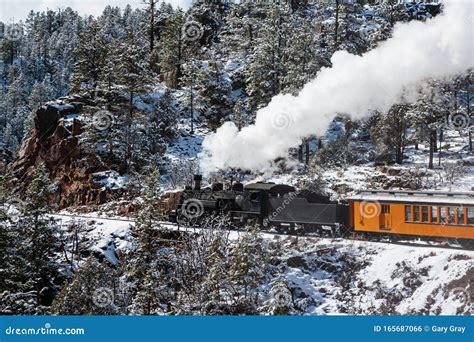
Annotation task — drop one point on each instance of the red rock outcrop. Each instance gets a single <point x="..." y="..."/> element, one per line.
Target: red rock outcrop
<point x="55" y="141"/>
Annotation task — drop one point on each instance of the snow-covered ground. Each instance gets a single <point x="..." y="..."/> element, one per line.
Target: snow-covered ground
<point x="359" y="277"/>
<point x="186" y="146"/>
<point x="339" y="276"/>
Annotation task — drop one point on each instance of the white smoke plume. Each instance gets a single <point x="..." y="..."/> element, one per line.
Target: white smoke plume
<point x="356" y="85"/>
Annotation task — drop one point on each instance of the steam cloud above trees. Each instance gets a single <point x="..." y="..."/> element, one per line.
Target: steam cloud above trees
<point x="356" y="85"/>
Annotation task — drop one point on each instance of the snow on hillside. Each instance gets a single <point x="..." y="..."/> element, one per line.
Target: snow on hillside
<point x="339" y="276"/>
<point x="186" y="146"/>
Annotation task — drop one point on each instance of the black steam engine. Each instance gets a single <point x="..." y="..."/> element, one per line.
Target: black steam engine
<point x="271" y="205"/>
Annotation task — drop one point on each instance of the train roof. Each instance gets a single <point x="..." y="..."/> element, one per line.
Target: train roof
<point x="440" y="197"/>
<point x="271" y="188"/>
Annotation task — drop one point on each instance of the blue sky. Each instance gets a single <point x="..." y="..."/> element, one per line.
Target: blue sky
<point x="18" y="9"/>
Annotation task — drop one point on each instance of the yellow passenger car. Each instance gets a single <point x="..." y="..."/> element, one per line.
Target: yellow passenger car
<point x="419" y="213"/>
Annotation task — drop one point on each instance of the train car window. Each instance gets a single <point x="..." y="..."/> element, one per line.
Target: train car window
<point x="470" y="215"/>
<point x="255" y="197"/>
<point x="407" y="213"/>
<point x="434" y="214"/>
<point x="451" y="214"/>
<point x="460" y="215"/>
<point x="385" y="209"/>
<point x="424" y="214"/>
<point x="416" y="213"/>
<point x="442" y="215"/>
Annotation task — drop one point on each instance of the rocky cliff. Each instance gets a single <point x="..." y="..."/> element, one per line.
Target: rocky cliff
<point x="57" y="142"/>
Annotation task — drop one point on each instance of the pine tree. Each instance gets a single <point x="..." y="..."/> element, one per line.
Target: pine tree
<point x="390" y="133"/>
<point x="147" y="301"/>
<point x="150" y="267"/>
<point x="134" y="79"/>
<point x="39" y="239"/>
<point x="215" y="285"/>
<point x="6" y="242"/>
<point x="171" y="55"/>
<point x="33" y="252"/>
<point x="41" y="93"/>
<point x="247" y="269"/>
<point x="265" y="69"/>
<point x="427" y="114"/>
<point x="166" y="114"/>
<point x="299" y="57"/>
<point x="110" y="73"/>
<point x="145" y="223"/>
<point x="151" y="12"/>
<point x="94" y="290"/>
<point x="213" y="92"/>
<point x="90" y="53"/>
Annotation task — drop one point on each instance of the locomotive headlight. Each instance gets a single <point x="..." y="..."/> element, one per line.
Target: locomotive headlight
<point x="239" y="199"/>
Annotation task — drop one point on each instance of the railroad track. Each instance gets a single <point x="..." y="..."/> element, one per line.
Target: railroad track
<point x="354" y="236"/>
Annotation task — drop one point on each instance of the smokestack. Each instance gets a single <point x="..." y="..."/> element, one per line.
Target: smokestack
<point x="197" y="182"/>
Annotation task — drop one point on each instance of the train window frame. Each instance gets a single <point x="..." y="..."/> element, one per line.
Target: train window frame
<point x="470" y="215"/>
<point x="442" y="215"/>
<point x="461" y="216"/>
<point x="416" y="213"/>
<point x="424" y="214"/>
<point x="385" y="209"/>
<point x="408" y="213"/>
<point x="254" y="197"/>
<point x="434" y="218"/>
<point x="451" y="215"/>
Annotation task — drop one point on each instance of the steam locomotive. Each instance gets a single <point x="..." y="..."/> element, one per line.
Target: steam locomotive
<point x="428" y="214"/>
<point x="276" y="205"/>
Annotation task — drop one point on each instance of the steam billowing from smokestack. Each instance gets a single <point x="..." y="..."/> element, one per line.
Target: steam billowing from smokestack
<point x="356" y="85"/>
